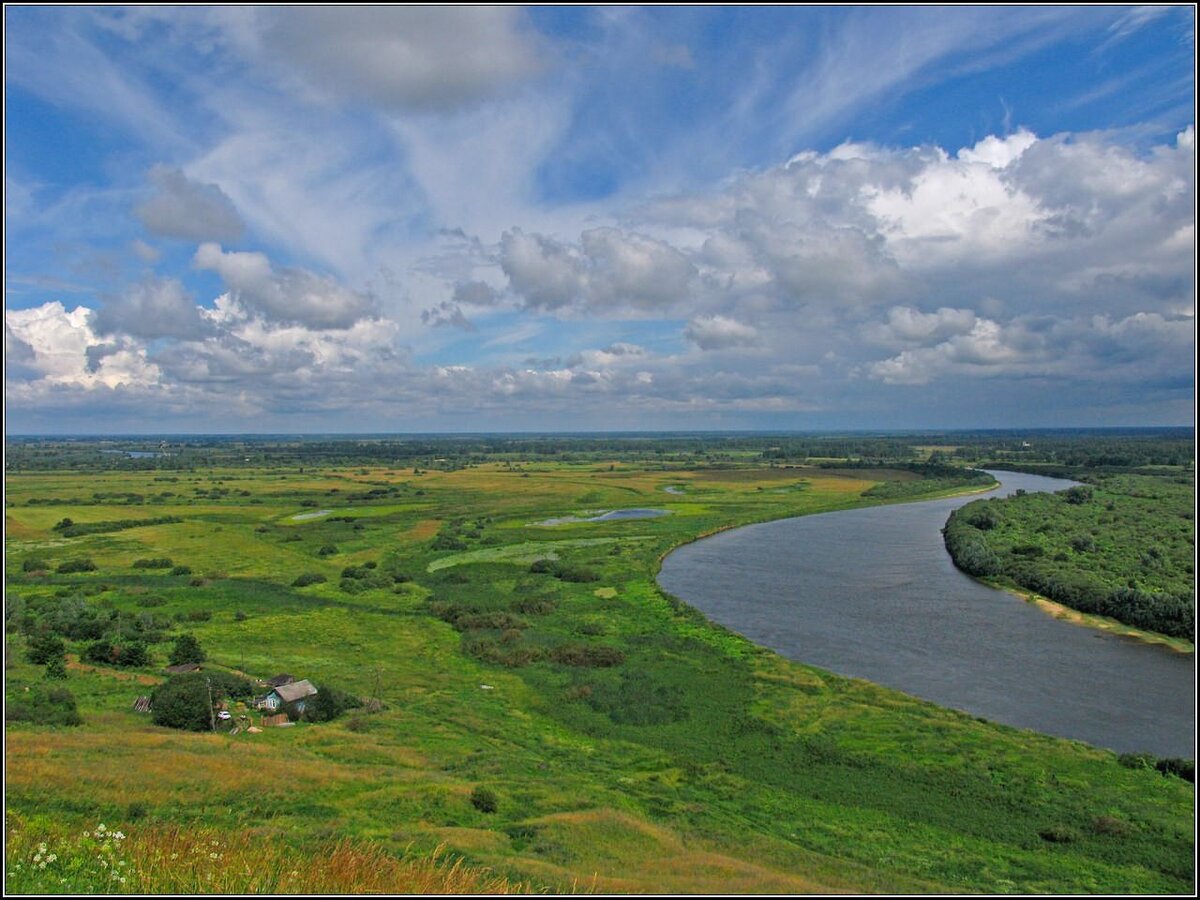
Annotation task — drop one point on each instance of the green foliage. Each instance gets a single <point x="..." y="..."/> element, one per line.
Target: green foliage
<point x="122" y="654"/>
<point x="72" y="566"/>
<point x="306" y="578"/>
<point x="1129" y="558"/>
<point x="638" y="699"/>
<point x="34" y="564"/>
<point x="42" y="705"/>
<point x="56" y="668"/>
<point x="698" y="736"/>
<point x="44" y="648"/>
<point x="485" y="799"/>
<point x="67" y="528"/>
<point x="186" y="650"/>
<point x="587" y="656"/>
<point x="328" y="704"/>
<point x="181" y="570"/>
<point x="156" y="563"/>
<point x="182" y="701"/>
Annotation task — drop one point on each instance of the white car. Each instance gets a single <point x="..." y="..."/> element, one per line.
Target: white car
<point x="224" y="714"/>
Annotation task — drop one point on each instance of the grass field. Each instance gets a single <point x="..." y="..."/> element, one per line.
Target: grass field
<point x="630" y="744"/>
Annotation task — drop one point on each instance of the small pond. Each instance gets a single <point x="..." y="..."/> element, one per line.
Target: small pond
<point x="608" y="516"/>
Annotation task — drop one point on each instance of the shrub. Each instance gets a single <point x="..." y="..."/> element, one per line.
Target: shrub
<point x="1174" y="765"/>
<point x="534" y="606"/>
<point x="307" y="578"/>
<point x="56" y="668"/>
<point x="327" y="550"/>
<point x="181" y="570"/>
<point x="328" y="703"/>
<point x="1059" y="834"/>
<point x="43" y="705"/>
<point x="587" y="656"/>
<point x="447" y="542"/>
<point x="71" y="566"/>
<point x="34" y="564"/>
<point x="576" y="574"/>
<point x="150" y="600"/>
<point x="161" y="562"/>
<point x="46" y="647"/>
<point x="484" y="800"/>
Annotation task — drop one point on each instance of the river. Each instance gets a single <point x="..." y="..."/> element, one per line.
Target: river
<point x="872" y="593"/>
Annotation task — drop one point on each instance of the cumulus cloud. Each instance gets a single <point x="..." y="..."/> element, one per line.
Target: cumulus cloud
<point x="53" y="345"/>
<point x="446" y="313"/>
<point x="413" y="58"/>
<point x="906" y="325"/>
<point x="719" y="333"/>
<point x="1137" y="347"/>
<point x="182" y="208"/>
<point x="609" y="270"/>
<point x="285" y="295"/>
<point x="153" y="308"/>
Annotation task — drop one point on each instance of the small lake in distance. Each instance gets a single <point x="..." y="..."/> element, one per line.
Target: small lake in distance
<point x="872" y="593"/>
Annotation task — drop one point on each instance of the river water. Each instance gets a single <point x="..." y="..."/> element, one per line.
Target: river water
<point x="872" y="593"/>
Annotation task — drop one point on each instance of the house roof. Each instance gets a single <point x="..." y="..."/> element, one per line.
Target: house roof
<point x="183" y="667"/>
<point x="297" y="690"/>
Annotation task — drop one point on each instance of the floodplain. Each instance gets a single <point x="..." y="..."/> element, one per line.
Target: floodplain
<point x="620" y="741"/>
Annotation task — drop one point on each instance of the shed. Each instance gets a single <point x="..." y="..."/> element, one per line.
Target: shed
<point x="280" y="680"/>
<point x="296" y="692"/>
<point x="183" y="667"/>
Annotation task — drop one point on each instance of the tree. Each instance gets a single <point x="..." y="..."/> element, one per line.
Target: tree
<point x="187" y="650"/>
<point x="182" y="702"/>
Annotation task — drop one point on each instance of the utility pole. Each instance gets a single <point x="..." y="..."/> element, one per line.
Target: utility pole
<point x="212" y="718"/>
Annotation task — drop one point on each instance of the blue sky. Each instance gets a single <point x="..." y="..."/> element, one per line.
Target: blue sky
<point x="471" y="218"/>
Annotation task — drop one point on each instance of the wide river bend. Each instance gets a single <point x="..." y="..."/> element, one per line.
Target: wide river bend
<point x="872" y="593"/>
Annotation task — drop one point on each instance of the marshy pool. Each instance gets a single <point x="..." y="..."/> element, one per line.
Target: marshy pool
<point x="872" y="593"/>
<point x="300" y="517"/>
<point x="608" y="516"/>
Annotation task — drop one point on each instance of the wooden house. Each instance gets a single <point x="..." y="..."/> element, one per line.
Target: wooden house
<point x="296" y="692"/>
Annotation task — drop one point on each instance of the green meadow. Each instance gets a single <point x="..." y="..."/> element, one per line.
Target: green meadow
<point x="628" y="744"/>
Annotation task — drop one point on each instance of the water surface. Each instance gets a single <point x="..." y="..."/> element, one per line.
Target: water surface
<point x="609" y="516"/>
<point x="872" y="593"/>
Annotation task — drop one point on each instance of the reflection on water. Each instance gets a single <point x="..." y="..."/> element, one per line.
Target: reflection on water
<point x="872" y="593"/>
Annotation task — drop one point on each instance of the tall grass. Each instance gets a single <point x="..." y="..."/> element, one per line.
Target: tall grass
<point x="180" y="860"/>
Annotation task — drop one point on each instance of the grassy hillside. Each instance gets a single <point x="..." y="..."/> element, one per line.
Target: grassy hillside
<point x="1123" y="547"/>
<point x="627" y="743"/>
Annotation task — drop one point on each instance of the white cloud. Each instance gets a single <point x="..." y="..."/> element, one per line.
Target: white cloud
<point x="609" y="270"/>
<point x="719" y="333"/>
<point x="285" y="295"/>
<point x="58" y="341"/>
<point x="906" y="325"/>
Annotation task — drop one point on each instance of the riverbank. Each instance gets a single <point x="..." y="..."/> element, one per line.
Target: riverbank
<point x="1088" y="620"/>
<point x="872" y="594"/>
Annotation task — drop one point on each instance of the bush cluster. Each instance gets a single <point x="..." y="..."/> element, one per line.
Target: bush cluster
<point x="43" y="705"/>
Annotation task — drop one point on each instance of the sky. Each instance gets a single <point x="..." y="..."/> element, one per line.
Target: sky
<point x="399" y="219"/>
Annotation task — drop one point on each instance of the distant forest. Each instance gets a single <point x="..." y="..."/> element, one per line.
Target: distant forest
<point x="1052" y="451"/>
